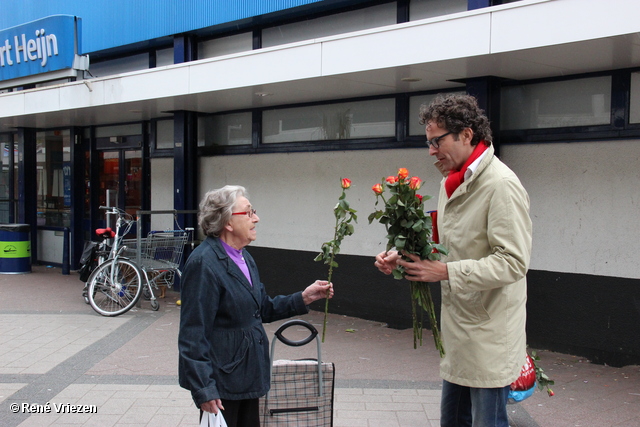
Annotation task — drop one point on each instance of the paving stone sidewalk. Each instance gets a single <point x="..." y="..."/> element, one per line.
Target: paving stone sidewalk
<point x="57" y="355"/>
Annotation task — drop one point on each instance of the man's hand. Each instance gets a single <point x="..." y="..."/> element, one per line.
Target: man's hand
<point x="387" y="261"/>
<point x="425" y="270"/>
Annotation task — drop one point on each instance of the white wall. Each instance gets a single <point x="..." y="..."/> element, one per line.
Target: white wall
<point x="295" y="193"/>
<point x="585" y="205"/>
<point x="584" y="199"/>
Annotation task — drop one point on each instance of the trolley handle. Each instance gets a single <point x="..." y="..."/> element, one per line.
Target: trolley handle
<point x="296" y="322"/>
<point x="313" y="335"/>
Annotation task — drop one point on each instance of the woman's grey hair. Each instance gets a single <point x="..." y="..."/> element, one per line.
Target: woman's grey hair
<point x="216" y="207"/>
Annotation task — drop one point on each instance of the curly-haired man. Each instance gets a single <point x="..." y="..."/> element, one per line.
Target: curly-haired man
<point x="483" y="220"/>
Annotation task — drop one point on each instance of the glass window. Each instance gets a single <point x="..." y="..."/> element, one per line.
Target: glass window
<point x="423" y="9"/>
<point x="225" y="45"/>
<point x="164" y="134"/>
<point x="121" y="130"/>
<point x="225" y="129"/>
<point x="362" y="19"/>
<point x="581" y="102"/>
<point x="348" y="120"/>
<point x="415" y="128"/>
<point x="53" y="180"/>
<point x="120" y="65"/>
<point x="634" y="97"/>
<point x="164" y="57"/>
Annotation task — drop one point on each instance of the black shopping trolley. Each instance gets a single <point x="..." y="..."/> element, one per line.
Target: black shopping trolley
<point x="301" y="393"/>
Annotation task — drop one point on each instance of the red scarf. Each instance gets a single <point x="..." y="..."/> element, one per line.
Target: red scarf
<point x="455" y="177"/>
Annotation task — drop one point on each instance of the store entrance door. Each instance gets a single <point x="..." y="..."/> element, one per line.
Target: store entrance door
<point x="121" y="179"/>
<point x="8" y="179"/>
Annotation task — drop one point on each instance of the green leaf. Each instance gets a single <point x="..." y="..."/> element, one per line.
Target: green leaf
<point x="334" y="264"/>
<point x="350" y="230"/>
<point x="319" y="257"/>
<point x="441" y="249"/>
<point x="405" y="223"/>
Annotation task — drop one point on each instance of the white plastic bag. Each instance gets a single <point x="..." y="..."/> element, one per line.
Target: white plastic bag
<point x="212" y="420"/>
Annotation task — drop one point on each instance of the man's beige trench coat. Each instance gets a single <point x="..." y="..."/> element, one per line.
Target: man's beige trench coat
<point x="486" y="227"/>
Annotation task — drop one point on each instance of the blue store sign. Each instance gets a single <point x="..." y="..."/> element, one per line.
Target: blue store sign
<point x="48" y="44"/>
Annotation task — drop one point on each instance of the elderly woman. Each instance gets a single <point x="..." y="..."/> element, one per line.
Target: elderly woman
<point x="224" y="357"/>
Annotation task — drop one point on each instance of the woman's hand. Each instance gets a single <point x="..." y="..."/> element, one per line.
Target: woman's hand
<point x="387" y="261"/>
<point x="316" y="291"/>
<point x="212" y="406"/>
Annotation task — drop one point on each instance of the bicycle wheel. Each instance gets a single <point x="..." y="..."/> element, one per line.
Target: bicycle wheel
<point x="115" y="287"/>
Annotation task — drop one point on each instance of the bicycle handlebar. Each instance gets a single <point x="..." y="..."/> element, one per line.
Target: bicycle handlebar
<point x="116" y="211"/>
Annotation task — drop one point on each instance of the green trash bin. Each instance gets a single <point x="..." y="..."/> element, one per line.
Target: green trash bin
<point x="15" y="248"/>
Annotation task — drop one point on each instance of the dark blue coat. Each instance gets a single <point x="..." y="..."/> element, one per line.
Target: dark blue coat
<point x="223" y="347"/>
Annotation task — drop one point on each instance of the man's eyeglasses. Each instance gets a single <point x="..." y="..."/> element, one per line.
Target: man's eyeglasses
<point x="250" y="213"/>
<point x="435" y="142"/>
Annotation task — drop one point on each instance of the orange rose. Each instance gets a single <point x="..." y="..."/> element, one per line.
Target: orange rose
<point x="346" y="182"/>
<point x="415" y="183"/>
<point x="403" y="173"/>
<point x="392" y="179"/>
<point x="377" y="189"/>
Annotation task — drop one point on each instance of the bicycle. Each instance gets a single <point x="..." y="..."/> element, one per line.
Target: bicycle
<point x="115" y="285"/>
<point x="131" y="267"/>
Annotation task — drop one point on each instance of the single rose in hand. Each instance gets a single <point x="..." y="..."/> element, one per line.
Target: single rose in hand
<point x="343" y="214"/>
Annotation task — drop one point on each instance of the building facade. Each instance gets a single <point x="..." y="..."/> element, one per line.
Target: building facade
<point x="147" y="105"/>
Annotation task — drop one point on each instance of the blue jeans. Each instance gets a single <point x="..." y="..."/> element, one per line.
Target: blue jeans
<point x="473" y="407"/>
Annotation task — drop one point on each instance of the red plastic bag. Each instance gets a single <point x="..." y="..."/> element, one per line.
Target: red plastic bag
<point x="527" y="378"/>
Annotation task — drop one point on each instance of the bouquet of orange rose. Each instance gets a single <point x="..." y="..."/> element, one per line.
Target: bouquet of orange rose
<point x="409" y="230"/>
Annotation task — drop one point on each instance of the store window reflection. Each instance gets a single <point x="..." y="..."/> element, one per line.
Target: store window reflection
<point x="121" y="179"/>
<point x="53" y="178"/>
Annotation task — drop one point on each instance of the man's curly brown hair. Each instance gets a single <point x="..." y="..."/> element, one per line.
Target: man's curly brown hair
<point x="456" y="112"/>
